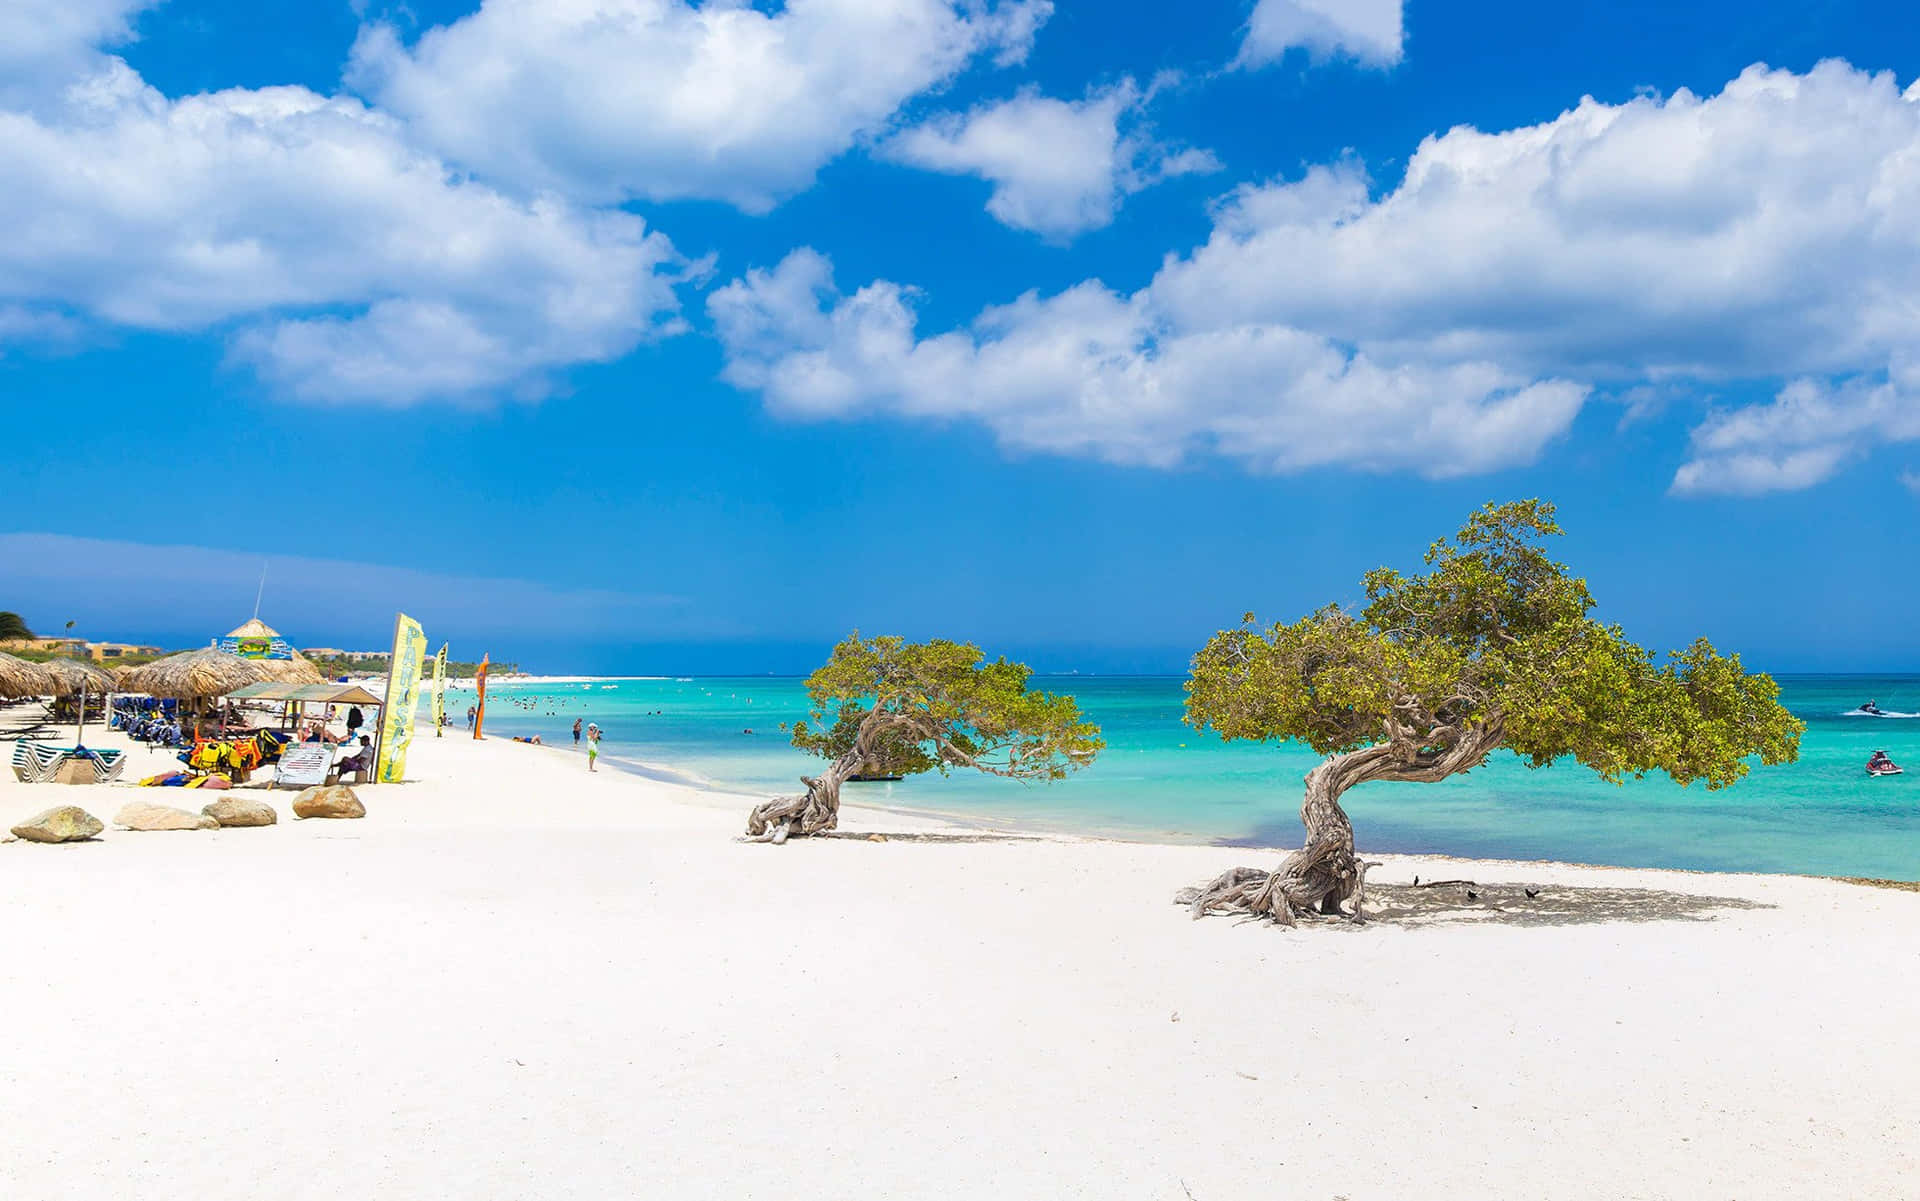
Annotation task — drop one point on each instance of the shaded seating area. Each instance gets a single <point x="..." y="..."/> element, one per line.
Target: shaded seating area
<point x="295" y="697"/>
<point x="74" y="686"/>
<point x="295" y="700"/>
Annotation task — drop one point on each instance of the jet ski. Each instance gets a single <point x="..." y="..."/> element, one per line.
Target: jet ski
<point x="1880" y="765"/>
<point x="1872" y="710"/>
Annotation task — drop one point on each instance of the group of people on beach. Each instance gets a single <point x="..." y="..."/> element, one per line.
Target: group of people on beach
<point x="593" y="742"/>
<point x="591" y="731"/>
<point x="353" y="751"/>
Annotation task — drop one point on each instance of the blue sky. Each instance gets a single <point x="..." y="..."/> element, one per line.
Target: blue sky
<point x="635" y="335"/>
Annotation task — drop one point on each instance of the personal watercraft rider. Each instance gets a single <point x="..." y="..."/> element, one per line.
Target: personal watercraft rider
<point x="1880" y="763"/>
<point x="1871" y="707"/>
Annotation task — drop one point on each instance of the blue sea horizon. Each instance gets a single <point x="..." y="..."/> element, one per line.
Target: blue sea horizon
<point x="1159" y="780"/>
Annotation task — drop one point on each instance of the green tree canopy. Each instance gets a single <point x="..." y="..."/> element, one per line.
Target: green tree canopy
<point x="910" y="707"/>
<point x="12" y="626"/>
<point x="1494" y="645"/>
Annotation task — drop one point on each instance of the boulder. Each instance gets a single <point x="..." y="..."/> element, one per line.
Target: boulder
<point x="328" y="800"/>
<point x="241" y="811"/>
<point x="66" y="823"/>
<point x="144" y="815"/>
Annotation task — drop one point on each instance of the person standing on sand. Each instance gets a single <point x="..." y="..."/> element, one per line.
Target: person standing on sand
<point x="576" y="731"/>
<point x="593" y="748"/>
<point x="470" y="712"/>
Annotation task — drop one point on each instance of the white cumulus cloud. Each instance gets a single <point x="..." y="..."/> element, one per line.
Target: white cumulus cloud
<point x="351" y="265"/>
<point x="1371" y="31"/>
<point x="610" y="100"/>
<point x="1804" y="435"/>
<point x="1058" y="167"/>
<point x="1765" y="233"/>
<point x="1091" y="372"/>
<point x="42" y="39"/>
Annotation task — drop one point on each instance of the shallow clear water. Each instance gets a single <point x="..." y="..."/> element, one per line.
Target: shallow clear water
<point x="1158" y="779"/>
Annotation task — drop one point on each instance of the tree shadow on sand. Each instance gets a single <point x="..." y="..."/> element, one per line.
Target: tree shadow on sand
<point x="1418" y="907"/>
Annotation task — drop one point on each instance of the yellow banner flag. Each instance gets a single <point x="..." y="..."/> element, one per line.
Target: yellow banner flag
<point x="403" y="696"/>
<point x="440" y="691"/>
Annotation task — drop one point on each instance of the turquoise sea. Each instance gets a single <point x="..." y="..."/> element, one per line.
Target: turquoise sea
<point x="1161" y="781"/>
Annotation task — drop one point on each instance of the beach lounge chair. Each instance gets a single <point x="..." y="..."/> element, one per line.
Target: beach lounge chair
<point x="33" y="763"/>
<point x="36" y="764"/>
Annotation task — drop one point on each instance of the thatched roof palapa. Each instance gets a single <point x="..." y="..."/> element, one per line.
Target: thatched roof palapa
<point x="193" y="675"/>
<point x="297" y="670"/>
<point x="19" y="678"/>
<point x="70" y="677"/>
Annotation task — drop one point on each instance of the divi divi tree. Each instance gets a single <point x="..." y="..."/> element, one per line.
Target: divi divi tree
<point x="893" y="707"/>
<point x="1493" y="646"/>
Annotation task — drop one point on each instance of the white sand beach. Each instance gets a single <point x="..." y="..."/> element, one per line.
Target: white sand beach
<point x="514" y="979"/>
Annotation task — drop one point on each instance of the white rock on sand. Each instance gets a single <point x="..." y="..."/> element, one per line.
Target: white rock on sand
<point x="144" y="815"/>
<point x="518" y="980"/>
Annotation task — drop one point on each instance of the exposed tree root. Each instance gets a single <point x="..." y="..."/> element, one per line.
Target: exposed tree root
<point x="1325" y="877"/>
<point x="1295" y="891"/>
<point x="812" y="812"/>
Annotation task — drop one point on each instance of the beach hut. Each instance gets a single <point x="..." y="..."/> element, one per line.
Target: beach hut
<point x="254" y="628"/>
<point x="19" y="678"/>
<point x="262" y="644"/>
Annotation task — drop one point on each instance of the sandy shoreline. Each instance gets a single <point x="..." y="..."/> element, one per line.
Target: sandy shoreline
<point x="513" y="979"/>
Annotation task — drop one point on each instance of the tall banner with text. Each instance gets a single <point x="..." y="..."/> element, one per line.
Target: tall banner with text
<point x="480" y="705"/>
<point x="403" y="696"/>
<point x="440" y="691"/>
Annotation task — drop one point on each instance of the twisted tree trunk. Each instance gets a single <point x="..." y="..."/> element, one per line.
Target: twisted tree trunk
<point x="816" y="809"/>
<point x="1320" y="877"/>
<point x="1325" y="876"/>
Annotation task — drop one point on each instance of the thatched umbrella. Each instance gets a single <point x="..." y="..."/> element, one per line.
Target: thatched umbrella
<point x="76" y="678"/>
<point x="77" y="675"/>
<point x="192" y="675"/>
<point x="297" y="670"/>
<point x="20" y="678"/>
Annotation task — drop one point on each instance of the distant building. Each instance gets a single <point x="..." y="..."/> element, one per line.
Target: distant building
<point x="108" y="652"/>
<point x="334" y="652"/>
<point x="58" y="646"/>
<point x="79" y="648"/>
